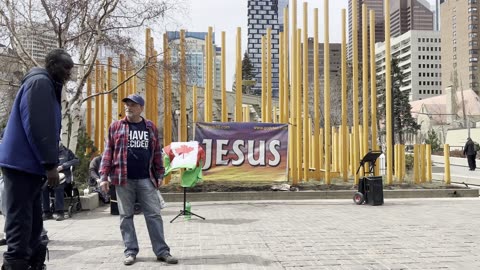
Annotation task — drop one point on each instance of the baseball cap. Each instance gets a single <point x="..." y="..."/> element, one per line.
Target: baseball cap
<point x="135" y="98"/>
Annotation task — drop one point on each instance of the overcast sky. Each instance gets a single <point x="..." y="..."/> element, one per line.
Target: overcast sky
<point x="227" y="15"/>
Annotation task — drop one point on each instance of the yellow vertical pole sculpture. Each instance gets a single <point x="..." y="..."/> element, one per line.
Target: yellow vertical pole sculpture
<point x="365" y="79"/>
<point x="264" y="79"/>
<point x="155" y="88"/>
<point x="388" y="93"/>
<point x="281" y="93"/>
<point x="344" y="100"/>
<point x="416" y="163"/>
<point x="207" y="73"/>
<point x="306" y="135"/>
<point x="183" y="89"/>
<point x="293" y="100"/>
<point x="429" y="162"/>
<point x="286" y="82"/>
<point x="109" y="95"/>
<point x="423" y="175"/>
<point x="269" y="76"/>
<point x="120" y="91"/>
<point x="208" y="90"/>
<point x="148" y="75"/>
<point x="167" y="97"/>
<point x="238" y="74"/>
<point x="97" y="106"/>
<point x="446" y="154"/>
<point x="320" y="149"/>
<point x="224" y="81"/>
<point x="102" y="110"/>
<point x="316" y="96"/>
<point x="298" y="90"/>
<point x="194" y="104"/>
<point x="397" y="161"/>
<point x="89" y="108"/>
<point x="402" y="167"/>
<point x="356" y="141"/>
<point x="373" y="82"/>
<point x="351" y="137"/>
<point x="211" y="84"/>
<point x="326" y="95"/>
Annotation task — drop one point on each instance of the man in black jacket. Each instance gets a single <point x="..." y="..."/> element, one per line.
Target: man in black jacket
<point x="469" y="151"/>
<point x="29" y="158"/>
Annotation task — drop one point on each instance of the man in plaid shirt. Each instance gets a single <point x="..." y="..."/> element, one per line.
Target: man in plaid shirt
<point x="133" y="162"/>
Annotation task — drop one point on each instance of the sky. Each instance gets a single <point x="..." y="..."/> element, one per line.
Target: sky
<point x="227" y="15"/>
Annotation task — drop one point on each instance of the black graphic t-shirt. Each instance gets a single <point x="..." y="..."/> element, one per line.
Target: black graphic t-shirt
<point x="138" y="151"/>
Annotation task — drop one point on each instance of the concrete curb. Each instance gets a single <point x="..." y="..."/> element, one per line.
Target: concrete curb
<point x="311" y="195"/>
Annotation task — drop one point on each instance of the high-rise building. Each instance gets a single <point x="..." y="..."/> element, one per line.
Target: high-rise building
<point x="406" y="15"/>
<point x="335" y="61"/>
<point x="419" y="57"/>
<point x="460" y="44"/>
<point x="195" y="43"/>
<point x="264" y="14"/>
<point x="37" y="41"/>
<point x="377" y="6"/>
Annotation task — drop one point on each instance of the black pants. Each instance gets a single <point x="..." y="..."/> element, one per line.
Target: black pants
<point x="471" y="162"/>
<point x="23" y="214"/>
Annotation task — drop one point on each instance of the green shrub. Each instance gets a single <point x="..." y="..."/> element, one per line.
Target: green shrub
<point x="408" y="162"/>
<point x="80" y="174"/>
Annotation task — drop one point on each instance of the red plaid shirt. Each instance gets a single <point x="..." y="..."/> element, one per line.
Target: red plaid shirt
<point x="114" y="158"/>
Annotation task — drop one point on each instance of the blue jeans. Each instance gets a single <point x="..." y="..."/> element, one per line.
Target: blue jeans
<point x="59" y="202"/>
<point x="146" y="194"/>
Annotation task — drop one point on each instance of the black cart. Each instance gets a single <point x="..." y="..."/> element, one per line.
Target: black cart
<point x="370" y="187"/>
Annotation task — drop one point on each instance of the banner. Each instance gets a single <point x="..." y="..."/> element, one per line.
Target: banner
<point x="244" y="151"/>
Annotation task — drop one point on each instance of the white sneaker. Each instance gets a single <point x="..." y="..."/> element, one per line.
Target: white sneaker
<point x="129" y="260"/>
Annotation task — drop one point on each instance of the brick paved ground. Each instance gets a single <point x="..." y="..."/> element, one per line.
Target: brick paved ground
<point x="319" y="234"/>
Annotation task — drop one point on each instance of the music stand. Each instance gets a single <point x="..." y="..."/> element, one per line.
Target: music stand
<point x="370" y="158"/>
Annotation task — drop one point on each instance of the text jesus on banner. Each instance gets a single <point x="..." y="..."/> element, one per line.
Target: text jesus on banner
<point x="244" y="151"/>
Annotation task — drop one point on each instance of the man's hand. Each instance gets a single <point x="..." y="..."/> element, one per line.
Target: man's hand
<point x="159" y="182"/>
<point x="105" y="186"/>
<point x="60" y="168"/>
<point x="53" y="178"/>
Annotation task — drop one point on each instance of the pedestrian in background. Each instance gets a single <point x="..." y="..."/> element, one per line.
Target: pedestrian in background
<point x="471" y="153"/>
<point x="133" y="162"/>
<point x="29" y="158"/>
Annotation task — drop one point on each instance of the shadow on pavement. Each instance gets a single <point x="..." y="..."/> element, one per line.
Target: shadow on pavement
<point x="225" y="259"/>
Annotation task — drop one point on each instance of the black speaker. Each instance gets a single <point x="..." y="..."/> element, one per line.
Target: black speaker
<point x="373" y="190"/>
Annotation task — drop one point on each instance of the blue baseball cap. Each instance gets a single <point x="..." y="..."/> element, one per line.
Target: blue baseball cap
<point x="135" y="98"/>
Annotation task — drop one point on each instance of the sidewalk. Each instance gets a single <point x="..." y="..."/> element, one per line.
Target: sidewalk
<point x="307" y="234"/>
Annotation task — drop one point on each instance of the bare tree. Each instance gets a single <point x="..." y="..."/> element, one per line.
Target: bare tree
<point x="82" y="27"/>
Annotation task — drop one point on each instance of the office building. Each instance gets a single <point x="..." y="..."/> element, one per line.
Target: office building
<point x="460" y="43"/>
<point x="406" y="15"/>
<point x="264" y="14"/>
<point x="419" y="56"/>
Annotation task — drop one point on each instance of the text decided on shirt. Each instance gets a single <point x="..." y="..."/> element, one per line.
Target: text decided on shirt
<point x="138" y="139"/>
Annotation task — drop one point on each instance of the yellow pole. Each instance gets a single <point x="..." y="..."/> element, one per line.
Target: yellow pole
<point x="281" y="93"/>
<point x="293" y="94"/>
<point x="102" y="110"/>
<point x="208" y="90"/>
<point x="89" y="108"/>
<point x="321" y="153"/>
<point x="148" y="72"/>
<point x="97" y="106"/>
<point x="155" y="88"/>
<point x="356" y="141"/>
<point x="224" y="80"/>
<point x="194" y="104"/>
<point x="120" y="92"/>
<point x="264" y="79"/>
<point x="306" y="135"/>
<point x="326" y="72"/>
<point x="446" y="154"/>
<point x="238" y="73"/>
<point x="167" y="97"/>
<point x="352" y="155"/>
<point x="373" y="82"/>
<point x="286" y="82"/>
<point x="299" y="106"/>
<point x="429" y="162"/>
<point x="416" y="163"/>
<point x="365" y="79"/>
<point x="183" y="89"/>
<point x="344" y="100"/>
<point x="269" y="76"/>
<point x="423" y="168"/>
<point x="109" y="96"/>
<point x="316" y="96"/>
<point x="388" y="93"/>
<point x="402" y="168"/>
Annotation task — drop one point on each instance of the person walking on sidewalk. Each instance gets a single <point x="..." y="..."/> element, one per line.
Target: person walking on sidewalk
<point x="471" y="153"/>
<point x="133" y="162"/>
<point x="29" y="158"/>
